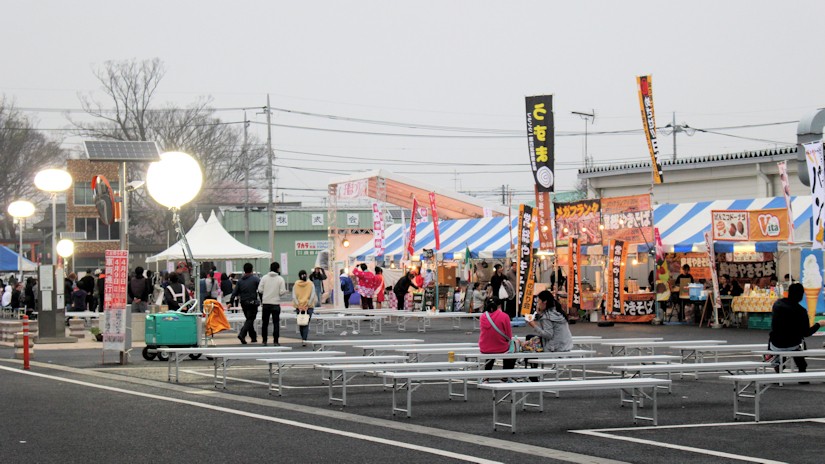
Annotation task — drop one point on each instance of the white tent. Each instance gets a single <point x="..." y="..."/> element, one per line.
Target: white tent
<point x="209" y="241"/>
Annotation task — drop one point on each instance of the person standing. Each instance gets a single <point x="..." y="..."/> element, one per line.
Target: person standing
<point x="139" y="290"/>
<point x="87" y="284"/>
<point x="29" y="295"/>
<point x="512" y="277"/>
<point x="551" y="324"/>
<point x="495" y="334"/>
<point x="226" y="289"/>
<point x="379" y="287"/>
<point x="366" y="285"/>
<point x="317" y="278"/>
<point x="271" y="288"/>
<point x="499" y="294"/>
<point x="101" y="289"/>
<point x="789" y="326"/>
<point x="303" y="298"/>
<point x="247" y="292"/>
<point x="402" y="287"/>
<point x="174" y="295"/>
<point x="346" y="287"/>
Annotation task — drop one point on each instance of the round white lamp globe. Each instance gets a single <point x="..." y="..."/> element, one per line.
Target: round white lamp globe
<point x="21" y="209"/>
<point x="53" y="180"/>
<point x="65" y="248"/>
<point x="175" y="180"/>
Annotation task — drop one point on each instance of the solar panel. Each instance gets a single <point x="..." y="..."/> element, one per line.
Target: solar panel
<point x="122" y="151"/>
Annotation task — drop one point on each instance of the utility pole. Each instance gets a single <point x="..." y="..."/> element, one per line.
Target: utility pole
<point x="674" y="129"/>
<point x="245" y="161"/>
<point x="673" y="125"/>
<point x="503" y="196"/>
<point x="270" y="160"/>
<point x="588" y="117"/>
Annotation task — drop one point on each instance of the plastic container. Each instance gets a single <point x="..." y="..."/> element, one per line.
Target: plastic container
<point x="172" y="329"/>
<point x="695" y="291"/>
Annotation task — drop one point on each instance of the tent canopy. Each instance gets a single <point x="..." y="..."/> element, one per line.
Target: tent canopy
<point x="209" y="241"/>
<point x="682" y="226"/>
<point x="485" y="237"/>
<point x="8" y="261"/>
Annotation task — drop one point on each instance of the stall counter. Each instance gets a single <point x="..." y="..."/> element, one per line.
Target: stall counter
<point x="753" y="304"/>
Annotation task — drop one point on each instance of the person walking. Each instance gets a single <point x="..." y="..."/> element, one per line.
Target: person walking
<point x="317" y="278"/>
<point x="379" y="287"/>
<point x="402" y="287"/>
<point x="271" y="288"/>
<point x="247" y="292"/>
<point x="226" y="289"/>
<point x="790" y="326"/>
<point x="346" y="287"/>
<point x="303" y="298"/>
<point x="551" y="324"/>
<point x="366" y="285"/>
<point x="495" y="334"/>
<point x="139" y="290"/>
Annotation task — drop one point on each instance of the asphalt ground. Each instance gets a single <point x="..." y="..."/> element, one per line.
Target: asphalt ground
<point x="71" y="408"/>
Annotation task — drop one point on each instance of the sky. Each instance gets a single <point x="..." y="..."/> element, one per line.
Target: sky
<point x="463" y="66"/>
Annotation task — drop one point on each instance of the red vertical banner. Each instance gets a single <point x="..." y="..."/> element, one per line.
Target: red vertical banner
<point x="377" y="229"/>
<point x="615" y="288"/>
<point x="114" y="303"/>
<point x="574" y="296"/>
<point x="435" y="221"/>
<point x="411" y="241"/>
<point x="544" y="218"/>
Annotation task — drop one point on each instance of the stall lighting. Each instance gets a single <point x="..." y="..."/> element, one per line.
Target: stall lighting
<point x="544" y="228"/>
<point x="345" y="243"/>
<point x="584" y="229"/>
<point x="601" y="226"/>
<point x="566" y="230"/>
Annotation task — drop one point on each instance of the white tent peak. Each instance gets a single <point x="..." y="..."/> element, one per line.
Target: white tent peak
<point x="210" y="241"/>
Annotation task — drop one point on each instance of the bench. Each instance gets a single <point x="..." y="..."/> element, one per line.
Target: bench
<point x="225" y="359"/>
<point x="698" y="352"/>
<point x="733" y="368"/>
<point x="410" y="381"/>
<point x="175" y="355"/>
<point x="277" y="363"/>
<point x="633" y="387"/>
<point x="753" y="386"/>
<point x="85" y="315"/>
<point x="417" y="354"/>
<point x="524" y="355"/>
<point x="371" y="349"/>
<point x="346" y="372"/>
<point x="786" y="356"/>
<point x="561" y="364"/>
<point x="424" y="319"/>
<point x="624" y="348"/>
<point x="328" y="322"/>
<point x="320" y="345"/>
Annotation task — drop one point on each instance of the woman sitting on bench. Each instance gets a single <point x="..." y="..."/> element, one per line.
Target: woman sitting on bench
<point x="551" y="324"/>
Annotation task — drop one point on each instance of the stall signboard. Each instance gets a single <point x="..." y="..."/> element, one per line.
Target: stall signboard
<point x="617" y="252"/>
<point x="581" y="218"/>
<point x="629" y="219"/>
<point x="810" y="273"/>
<point x="544" y="220"/>
<point x="753" y="225"/>
<point x="730" y="225"/>
<point x="526" y="227"/>
<point x="574" y="283"/>
<point x="310" y="247"/>
<point x="645" y="84"/>
<point x="815" y="163"/>
<point x="114" y="302"/>
<point x="352" y="190"/>
<point x="753" y="270"/>
<point x="698" y="262"/>
<point x="377" y="229"/>
<point x="638" y="307"/>
<point x="540" y="140"/>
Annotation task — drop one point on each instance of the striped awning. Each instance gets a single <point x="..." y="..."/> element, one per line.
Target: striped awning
<point x="682" y="226"/>
<point x="485" y="237"/>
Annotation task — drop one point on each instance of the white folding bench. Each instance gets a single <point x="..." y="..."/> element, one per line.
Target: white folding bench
<point x="346" y="372"/>
<point x="321" y="345"/>
<point x="525" y="356"/>
<point x="326" y="322"/>
<point x="424" y="319"/>
<point x="372" y="349"/>
<point x="277" y="364"/>
<point x="642" y="347"/>
<point x="698" y="351"/>
<point x="411" y="381"/>
<point x="753" y="386"/>
<point x="785" y="357"/>
<point x="517" y="393"/>
<point x="416" y="354"/>
<point x="225" y="360"/>
<point x="178" y="354"/>
<point x="740" y="367"/>
<point x="562" y="364"/>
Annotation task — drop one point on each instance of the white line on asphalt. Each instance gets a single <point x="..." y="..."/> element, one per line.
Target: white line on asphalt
<point x="715" y="424"/>
<point x="424" y="449"/>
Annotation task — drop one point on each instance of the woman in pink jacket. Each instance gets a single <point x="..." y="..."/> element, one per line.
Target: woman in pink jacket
<point x="490" y="340"/>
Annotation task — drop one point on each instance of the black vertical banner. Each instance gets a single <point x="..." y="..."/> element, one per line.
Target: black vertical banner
<point x="616" y="253"/>
<point x="540" y="132"/>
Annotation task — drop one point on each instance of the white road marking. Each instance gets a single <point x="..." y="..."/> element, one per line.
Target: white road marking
<point x="714" y="424"/>
<point x="424" y="449"/>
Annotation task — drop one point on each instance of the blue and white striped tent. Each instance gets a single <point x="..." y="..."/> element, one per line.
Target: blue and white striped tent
<point x="486" y="238"/>
<point x="682" y="225"/>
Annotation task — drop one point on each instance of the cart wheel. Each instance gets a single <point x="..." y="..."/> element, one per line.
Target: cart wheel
<point x="147" y="355"/>
<point x="195" y="356"/>
<point x="163" y="356"/>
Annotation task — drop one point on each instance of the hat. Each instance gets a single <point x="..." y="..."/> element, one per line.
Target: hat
<point x="98" y="272"/>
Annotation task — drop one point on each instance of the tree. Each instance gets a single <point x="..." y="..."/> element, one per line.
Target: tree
<point x="130" y="113"/>
<point x="23" y="152"/>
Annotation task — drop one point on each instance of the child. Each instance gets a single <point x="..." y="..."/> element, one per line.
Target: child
<point x="392" y="300"/>
<point x="78" y="299"/>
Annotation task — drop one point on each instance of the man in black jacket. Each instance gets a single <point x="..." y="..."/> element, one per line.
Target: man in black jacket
<point x="790" y="326"/>
<point x="247" y="292"/>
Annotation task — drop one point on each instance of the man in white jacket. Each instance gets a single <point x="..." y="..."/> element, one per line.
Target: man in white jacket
<point x="271" y="289"/>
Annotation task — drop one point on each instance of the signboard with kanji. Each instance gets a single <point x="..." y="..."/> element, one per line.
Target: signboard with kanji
<point x="114" y="303"/>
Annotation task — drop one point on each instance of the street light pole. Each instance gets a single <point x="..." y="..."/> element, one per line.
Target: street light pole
<point x="20" y="210"/>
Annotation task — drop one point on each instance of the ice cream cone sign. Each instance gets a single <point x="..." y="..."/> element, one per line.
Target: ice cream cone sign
<point x="812" y="282"/>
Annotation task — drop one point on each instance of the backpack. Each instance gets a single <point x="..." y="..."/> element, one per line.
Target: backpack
<point x="508" y="287"/>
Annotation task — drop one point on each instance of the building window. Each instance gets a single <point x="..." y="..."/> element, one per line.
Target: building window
<point x="96" y="230"/>
<point x="83" y="194"/>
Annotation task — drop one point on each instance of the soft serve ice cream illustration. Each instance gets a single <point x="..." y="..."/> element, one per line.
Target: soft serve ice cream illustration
<point x="812" y="281"/>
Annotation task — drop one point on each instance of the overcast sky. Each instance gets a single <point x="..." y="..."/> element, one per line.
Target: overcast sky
<point x="454" y="64"/>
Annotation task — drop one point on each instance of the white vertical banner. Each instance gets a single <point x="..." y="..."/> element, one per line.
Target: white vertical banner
<point x="377" y="229"/>
<point x="227" y="264"/>
<point x="786" y="191"/>
<point x="717" y="299"/>
<point x="816" y="174"/>
<point x="284" y="264"/>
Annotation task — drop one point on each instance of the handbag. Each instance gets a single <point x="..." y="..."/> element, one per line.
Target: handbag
<point x="512" y="347"/>
<point x="302" y="319"/>
<point x="502" y="293"/>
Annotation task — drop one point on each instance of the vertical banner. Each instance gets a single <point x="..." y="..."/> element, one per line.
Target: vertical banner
<point x="615" y="281"/>
<point x="786" y="191"/>
<point x="540" y="141"/>
<point x="284" y="264"/>
<point x="377" y="229"/>
<point x="816" y="173"/>
<point x="114" y="302"/>
<point x="649" y="121"/>
<point x="411" y="240"/>
<point x="717" y="299"/>
<point x="574" y="296"/>
<point x="544" y="221"/>
<point x="435" y="221"/>
<point x="526" y="227"/>
<point x="810" y="267"/>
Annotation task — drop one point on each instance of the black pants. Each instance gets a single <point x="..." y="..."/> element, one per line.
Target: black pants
<point x="274" y="311"/>
<point x="346" y="299"/>
<point x="401" y="297"/>
<point x="250" y="312"/>
<point x="366" y="303"/>
<point x="508" y="364"/>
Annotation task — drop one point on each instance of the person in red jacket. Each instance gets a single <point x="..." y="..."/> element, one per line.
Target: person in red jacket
<point x="490" y="340"/>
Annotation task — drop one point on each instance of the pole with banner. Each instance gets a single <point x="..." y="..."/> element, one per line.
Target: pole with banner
<point x="616" y="254"/>
<point x="816" y="170"/>
<point x="540" y="140"/>
<point x="411" y="240"/>
<point x="526" y="227"/>
<point x="573" y="276"/>
<point x="114" y="303"/>
<point x="717" y="299"/>
<point x="645" y="84"/>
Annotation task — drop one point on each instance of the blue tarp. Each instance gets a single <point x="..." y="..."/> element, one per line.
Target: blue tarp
<point x="8" y="261"/>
